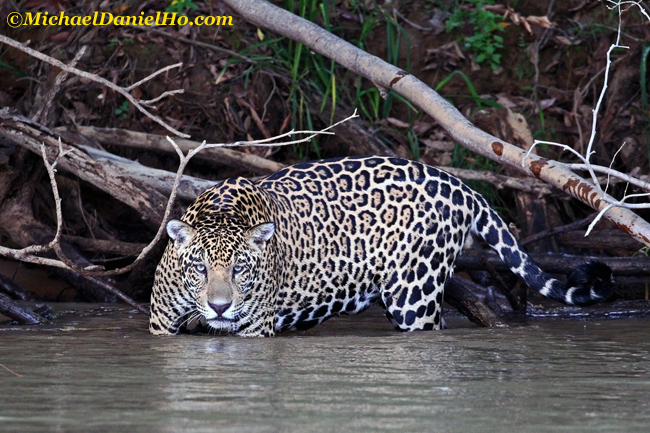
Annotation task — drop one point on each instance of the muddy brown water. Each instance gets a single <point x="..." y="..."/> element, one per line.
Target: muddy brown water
<point x="106" y="373"/>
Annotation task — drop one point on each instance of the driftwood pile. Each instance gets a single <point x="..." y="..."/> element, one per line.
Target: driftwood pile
<point x="112" y="207"/>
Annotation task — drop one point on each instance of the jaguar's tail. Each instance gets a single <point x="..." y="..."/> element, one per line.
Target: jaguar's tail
<point x="587" y="284"/>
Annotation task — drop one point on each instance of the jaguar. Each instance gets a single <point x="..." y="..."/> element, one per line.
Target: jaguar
<point x="333" y="237"/>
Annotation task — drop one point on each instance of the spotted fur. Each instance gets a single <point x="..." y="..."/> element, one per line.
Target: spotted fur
<point x="321" y="239"/>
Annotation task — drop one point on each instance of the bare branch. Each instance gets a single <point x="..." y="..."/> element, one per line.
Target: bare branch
<point x="271" y="141"/>
<point x="586" y="163"/>
<point x="610" y="172"/>
<point x="92" y="77"/>
<point x="144" y="80"/>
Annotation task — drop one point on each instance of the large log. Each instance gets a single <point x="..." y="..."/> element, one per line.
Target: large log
<point x="160" y="180"/>
<point x="158" y="143"/>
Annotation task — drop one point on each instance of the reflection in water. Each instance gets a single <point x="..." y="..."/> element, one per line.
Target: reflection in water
<point x="578" y="376"/>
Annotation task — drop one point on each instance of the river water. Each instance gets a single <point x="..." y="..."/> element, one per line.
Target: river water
<point x="106" y="373"/>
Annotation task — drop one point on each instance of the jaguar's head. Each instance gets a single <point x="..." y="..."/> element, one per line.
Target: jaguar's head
<point x="223" y="274"/>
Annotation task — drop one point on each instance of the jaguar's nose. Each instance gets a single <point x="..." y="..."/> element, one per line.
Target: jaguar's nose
<point x="220" y="308"/>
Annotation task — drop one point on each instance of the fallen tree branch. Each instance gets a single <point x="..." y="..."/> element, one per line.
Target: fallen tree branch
<point x="114" y="247"/>
<point x="10" y="288"/>
<point x="602" y="240"/>
<point x="158" y="143"/>
<point x="110" y="179"/>
<point x="389" y="77"/>
<point x="162" y="181"/>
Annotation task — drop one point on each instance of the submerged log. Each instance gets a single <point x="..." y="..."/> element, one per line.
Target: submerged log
<point x="22" y="315"/>
<point x="615" y="310"/>
<point x="460" y="294"/>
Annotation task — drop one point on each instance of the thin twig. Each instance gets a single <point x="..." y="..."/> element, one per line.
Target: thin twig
<point x="586" y="163"/>
<point x="11" y="371"/>
<point x="42" y="113"/>
<point x="557" y="230"/>
<point x="155" y="74"/>
<point x="610" y="172"/>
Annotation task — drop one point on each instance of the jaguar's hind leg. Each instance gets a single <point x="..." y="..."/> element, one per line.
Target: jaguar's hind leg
<point x="412" y="301"/>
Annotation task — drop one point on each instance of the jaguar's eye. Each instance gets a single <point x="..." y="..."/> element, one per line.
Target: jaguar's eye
<point x="237" y="269"/>
<point x="201" y="269"/>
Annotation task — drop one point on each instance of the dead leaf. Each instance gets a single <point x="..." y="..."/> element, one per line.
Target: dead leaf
<point x="546" y="103"/>
<point x="542" y="22"/>
<point x="137" y="93"/>
<point x="421" y="127"/>
<point x="504" y="100"/>
<point x="121" y="8"/>
<point x="60" y="37"/>
<point x="524" y="22"/>
<point x="446" y="56"/>
<point x="563" y="40"/>
<point x="397" y="123"/>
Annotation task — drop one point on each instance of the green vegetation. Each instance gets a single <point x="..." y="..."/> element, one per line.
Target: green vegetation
<point x="11" y="69"/>
<point x="123" y="110"/>
<point x="315" y="75"/>
<point x="480" y="102"/>
<point x="485" y="42"/>
<point x="179" y="6"/>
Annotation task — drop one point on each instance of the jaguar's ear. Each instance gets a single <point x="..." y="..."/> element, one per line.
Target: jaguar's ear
<point x="180" y="232"/>
<point x="259" y="235"/>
